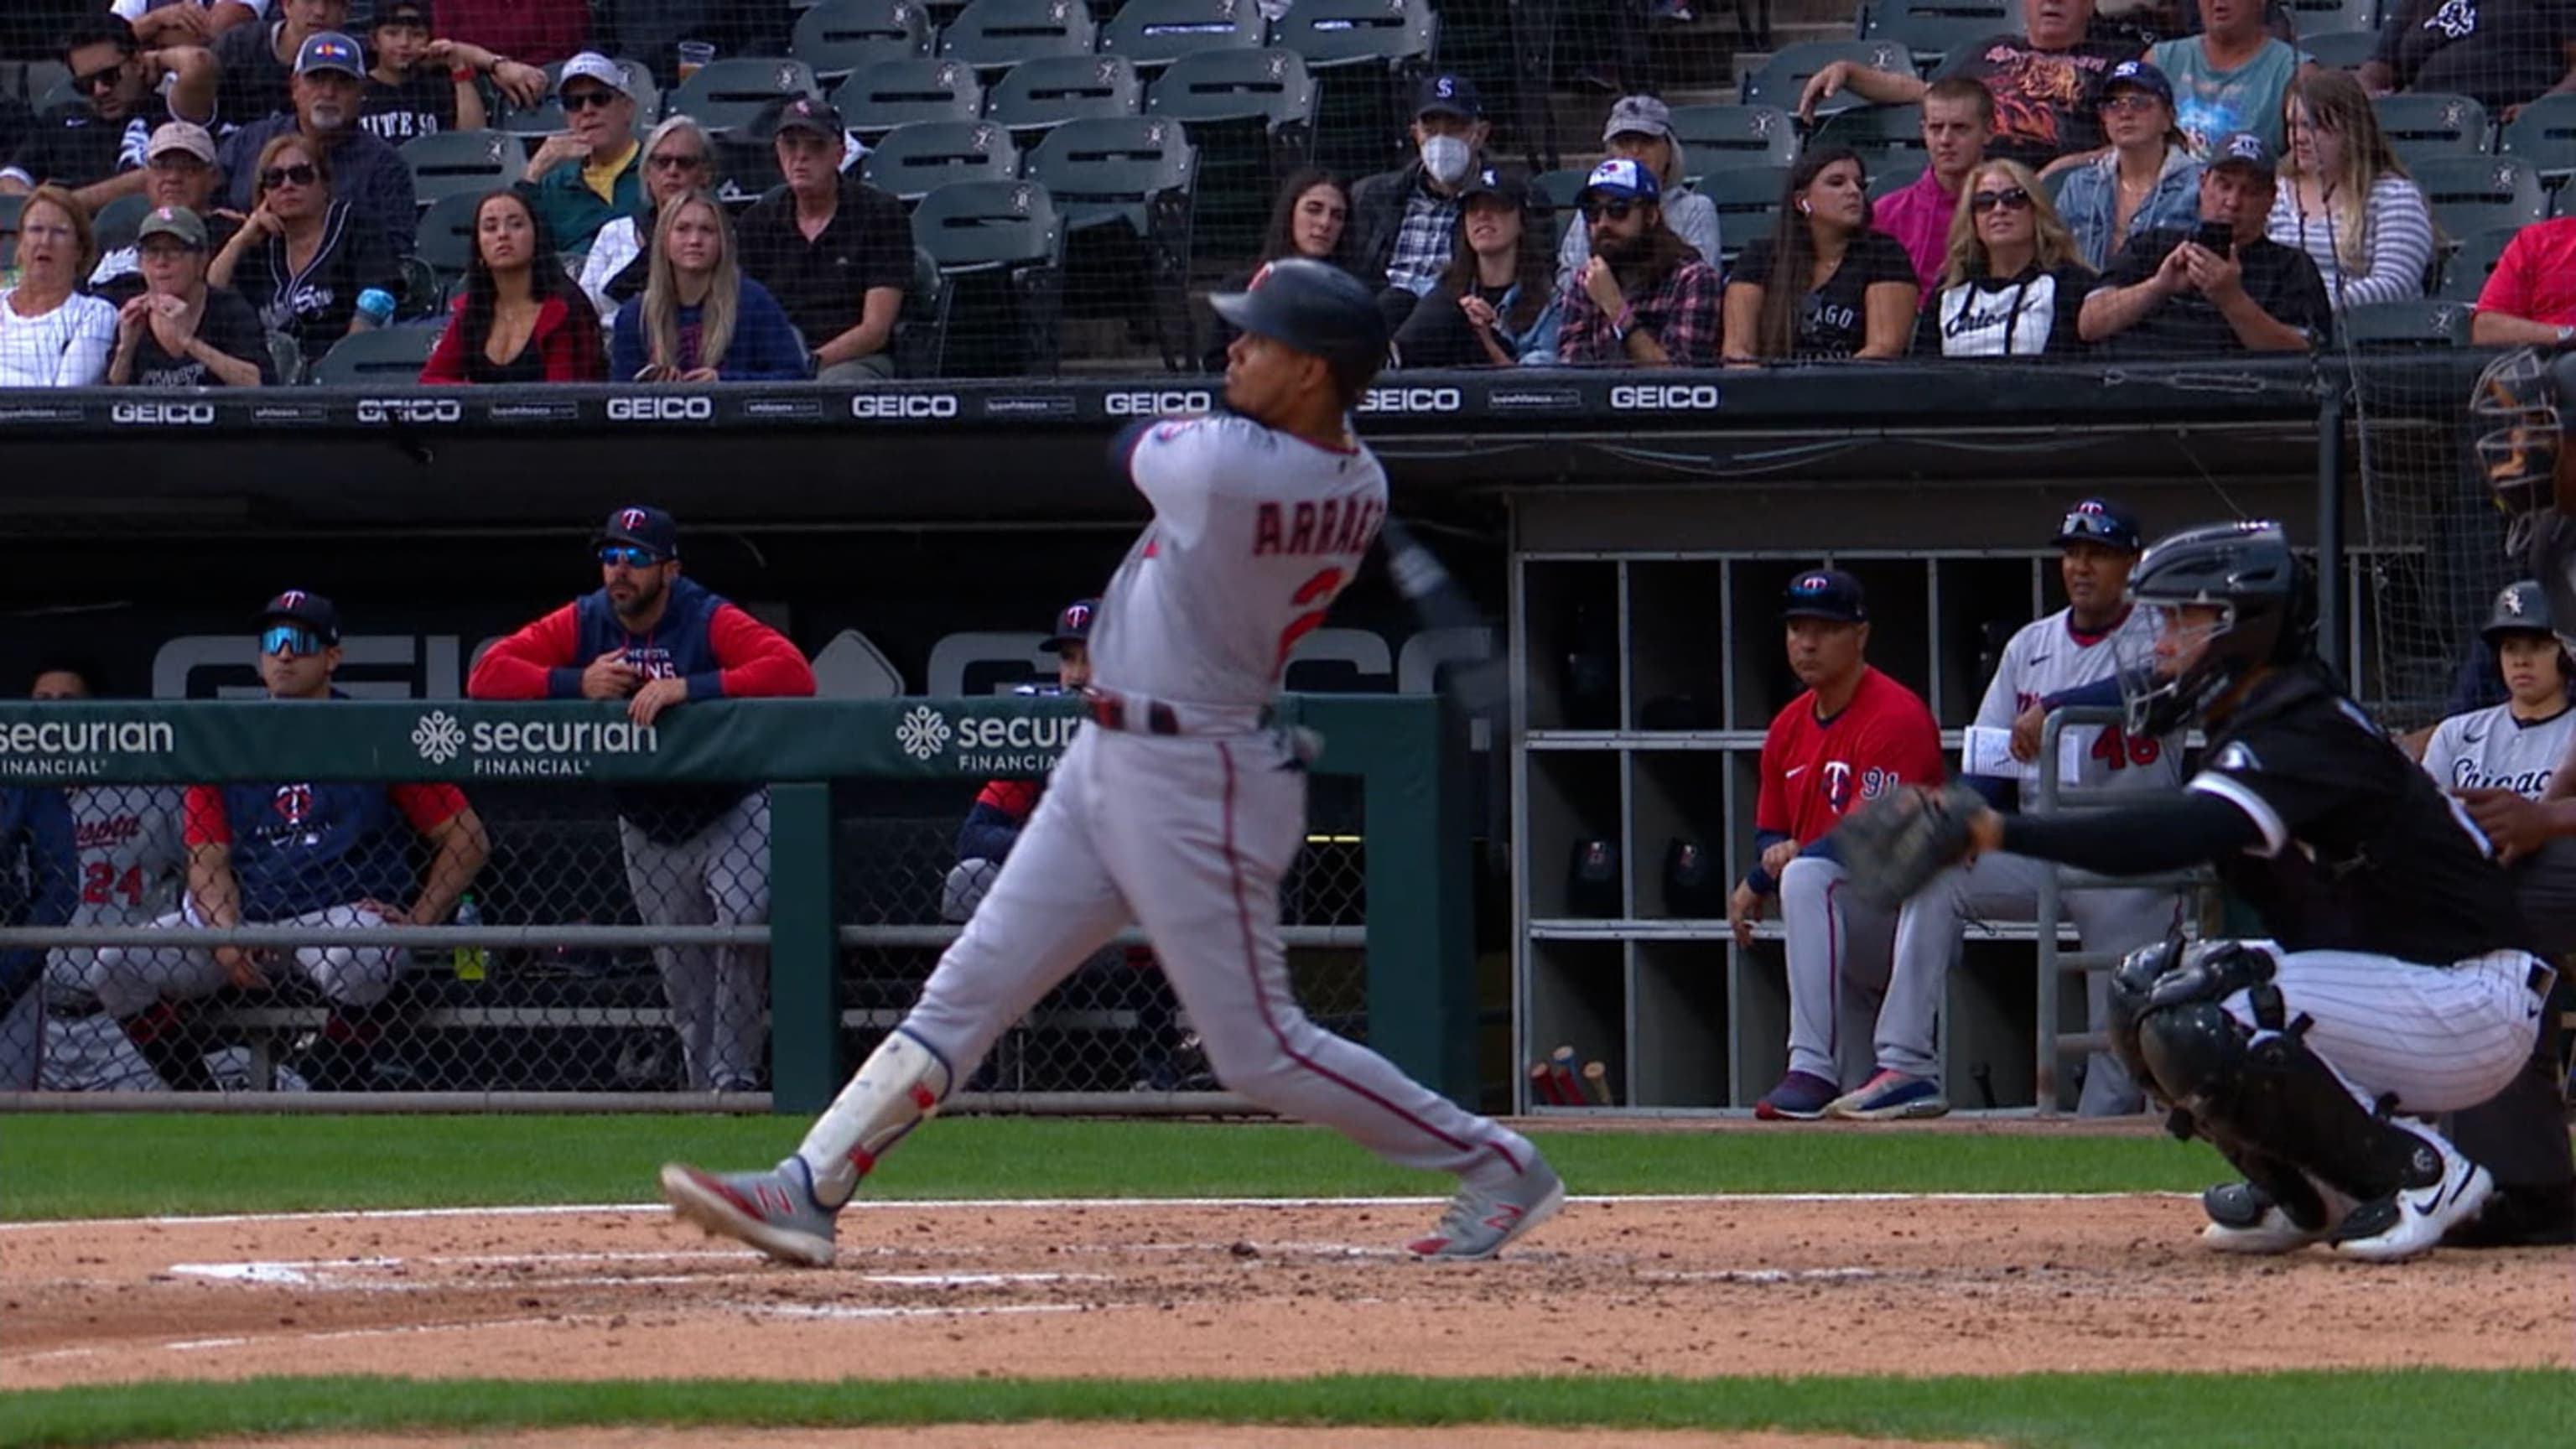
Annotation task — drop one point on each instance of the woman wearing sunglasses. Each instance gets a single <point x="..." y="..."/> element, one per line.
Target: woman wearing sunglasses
<point x="1496" y="305"/>
<point x="522" y="318"/>
<point x="700" y="319"/>
<point x="678" y="159"/>
<point x="301" y="258"/>
<point x="1822" y="285"/>
<point x="2145" y="180"/>
<point x="2012" y="285"/>
<point x="2345" y="199"/>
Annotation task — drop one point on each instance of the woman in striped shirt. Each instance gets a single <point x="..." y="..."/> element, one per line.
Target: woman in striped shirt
<point x="2345" y="199"/>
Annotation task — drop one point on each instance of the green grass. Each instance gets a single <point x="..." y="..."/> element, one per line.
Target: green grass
<point x="120" y="1166"/>
<point x="2131" y="1411"/>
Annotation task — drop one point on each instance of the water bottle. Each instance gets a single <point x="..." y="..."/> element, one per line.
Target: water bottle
<point x="469" y="959"/>
<point x="376" y="305"/>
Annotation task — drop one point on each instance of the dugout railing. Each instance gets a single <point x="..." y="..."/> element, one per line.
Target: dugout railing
<point x="1378" y="910"/>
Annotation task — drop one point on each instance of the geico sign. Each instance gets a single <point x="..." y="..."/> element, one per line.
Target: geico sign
<point x="1667" y="395"/>
<point x="903" y="405"/>
<point x="410" y="410"/>
<point x="1412" y="400"/>
<point x="660" y="409"/>
<point x="190" y="414"/>
<point x="1155" y="404"/>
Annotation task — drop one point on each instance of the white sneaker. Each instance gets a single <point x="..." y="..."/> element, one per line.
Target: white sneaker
<point x="2410" y="1222"/>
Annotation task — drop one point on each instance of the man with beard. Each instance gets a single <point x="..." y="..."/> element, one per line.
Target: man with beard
<point x="696" y="854"/>
<point x="2047" y="82"/>
<point x="1645" y="297"/>
<point x="259" y="60"/>
<point x="97" y="154"/>
<point x="330" y="80"/>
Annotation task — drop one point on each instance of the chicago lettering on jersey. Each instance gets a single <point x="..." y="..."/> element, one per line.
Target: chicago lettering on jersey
<point x="1329" y="527"/>
<point x="2530" y="784"/>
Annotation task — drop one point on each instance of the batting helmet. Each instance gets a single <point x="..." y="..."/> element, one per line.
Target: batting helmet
<point x="2520" y="399"/>
<point x="2268" y="601"/>
<point x="1316" y="308"/>
<point x="2520" y="609"/>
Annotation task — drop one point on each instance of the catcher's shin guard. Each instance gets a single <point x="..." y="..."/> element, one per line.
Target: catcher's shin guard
<point x="901" y="1083"/>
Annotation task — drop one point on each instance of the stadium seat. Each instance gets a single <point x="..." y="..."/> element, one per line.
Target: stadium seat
<point x="1883" y="135"/>
<point x="2471" y="194"/>
<point x="1154" y="33"/>
<point x="1054" y="89"/>
<point x="445" y="163"/>
<point x="991" y="34"/>
<point x="2466" y="274"/>
<point x="1329" y="33"/>
<point x="446" y="236"/>
<point x="891" y="93"/>
<point x="547" y="117"/>
<point x="2421" y="127"/>
<point x="921" y="329"/>
<point x="376" y="357"/>
<point x="117" y="222"/>
<point x="1133" y="174"/>
<point x="2333" y="17"/>
<point x="2421" y="322"/>
<point x="1892" y="171"/>
<point x="1931" y="29"/>
<point x="1714" y="138"/>
<point x="725" y="94"/>
<point x="838" y="37"/>
<point x="1269" y="85"/>
<point x="912" y="161"/>
<point x="1214" y="93"/>
<point x="1784" y="76"/>
<point x="2340" y="49"/>
<point x="1746" y="198"/>
<point x="1009" y="230"/>
<point x="1561" y="187"/>
<point x="2543" y="133"/>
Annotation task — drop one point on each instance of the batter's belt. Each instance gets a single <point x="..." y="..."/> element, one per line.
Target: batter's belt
<point x="1139" y="714"/>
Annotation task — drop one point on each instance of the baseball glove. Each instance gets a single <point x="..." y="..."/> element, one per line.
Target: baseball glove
<point x="1893" y="847"/>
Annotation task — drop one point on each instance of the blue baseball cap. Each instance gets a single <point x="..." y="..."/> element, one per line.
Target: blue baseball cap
<point x="644" y="527"/>
<point x="2243" y="148"/>
<point x="1826" y="594"/>
<point x="313" y="611"/>
<point x="1621" y="177"/>
<point x="2099" y="520"/>
<point x="2140" y="75"/>
<point x="330" y="50"/>
<point x="1448" y="94"/>
<point x="1072" y="625"/>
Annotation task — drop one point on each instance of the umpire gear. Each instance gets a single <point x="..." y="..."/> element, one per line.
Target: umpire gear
<point x="2521" y="399"/>
<point x="2267" y="595"/>
<point x="1317" y="309"/>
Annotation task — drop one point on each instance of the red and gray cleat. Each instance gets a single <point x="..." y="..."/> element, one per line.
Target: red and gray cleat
<point x="1481" y="1221"/>
<point x="773" y="1211"/>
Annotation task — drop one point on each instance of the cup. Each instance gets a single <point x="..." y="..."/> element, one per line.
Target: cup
<point x="693" y="54"/>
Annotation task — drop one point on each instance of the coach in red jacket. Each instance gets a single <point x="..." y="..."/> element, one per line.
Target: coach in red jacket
<point x="695" y="854"/>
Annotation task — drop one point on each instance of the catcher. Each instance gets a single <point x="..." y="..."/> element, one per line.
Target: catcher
<point x="2393" y="980"/>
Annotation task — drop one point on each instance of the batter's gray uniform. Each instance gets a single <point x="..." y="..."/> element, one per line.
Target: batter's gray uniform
<point x="132" y="868"/>
<point x="2045" y="658"/>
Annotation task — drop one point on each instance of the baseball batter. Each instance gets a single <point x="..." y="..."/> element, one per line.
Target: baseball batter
<point x="1183" y="806"/>
<point x="2045" y="663"/>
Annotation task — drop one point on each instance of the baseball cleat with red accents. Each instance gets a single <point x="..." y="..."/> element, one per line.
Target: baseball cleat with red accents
<point x="773" y="1211"/>
<point x="1481" y="1221"/>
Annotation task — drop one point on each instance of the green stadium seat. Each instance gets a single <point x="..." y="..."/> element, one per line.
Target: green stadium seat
<point x="1269" y="85"/>
<point x="1007" y="231"/>
<point x="376" y="357"/>
<point x="1932" y="29"/>
<point x="1561" y="187"/>
<point x="117" y="222"/>
<point x="1332" y="33"/>
<point x="1054" y="89"/>
<point x="1746" y="198"/>
<point x="838" y="37"/>
<point x="2334" y="17"/>
<point x="912" y="161"/>
<point x="1883" y="135"/>
<point x="1152" y="34"/>
<point x="2471" y="194"/>
<point x="1123" y="186"/>
<point x="2420" y="322"/>
<point x="2543" y="133"/>
<point x="891" y="93"/>
<point x="992" y="34"/>
<point x="2422" y="127"/>
<point x="2465" y="275"/>
<point x="1715" y="138"/>
<point x="445" y="163"/>
<point x="446" y="236"/>
<point x="726" y="94"/>
<point x="2340" y="49"/>
<point x="1784" y="77"/>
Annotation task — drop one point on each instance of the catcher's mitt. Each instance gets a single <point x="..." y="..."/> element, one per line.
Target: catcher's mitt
<point x="1892" y="847"/>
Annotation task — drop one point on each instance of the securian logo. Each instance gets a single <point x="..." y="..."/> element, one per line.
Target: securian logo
<point x="438" y="737"/>
<point x="922" y="733"/>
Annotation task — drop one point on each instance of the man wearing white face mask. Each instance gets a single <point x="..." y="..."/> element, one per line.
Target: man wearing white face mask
<point x="1406" y="221"/>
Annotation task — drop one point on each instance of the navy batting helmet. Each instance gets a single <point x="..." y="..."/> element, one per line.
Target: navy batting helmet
<point x="1316" y="308"/>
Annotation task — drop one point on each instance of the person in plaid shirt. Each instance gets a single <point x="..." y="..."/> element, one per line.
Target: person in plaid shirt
<point x="1645" y="297"/>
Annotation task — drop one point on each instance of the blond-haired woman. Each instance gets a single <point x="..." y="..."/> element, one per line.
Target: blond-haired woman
<point x="2345" y="199"/>
<point x="2014" y="279"/>
<point x="50" y="334"/>
<point x="699" y="319"/>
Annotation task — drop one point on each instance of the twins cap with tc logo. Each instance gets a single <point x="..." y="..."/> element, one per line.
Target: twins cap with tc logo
<point x="1620" y="179"/>
<point x="313" y="611"/>
<point x="1073" y="626"/>
<point x="330" y="50"/>
<point x="1825" y="594"/>
<point x="644" y="527"/>
<point x="2099" y="520"/>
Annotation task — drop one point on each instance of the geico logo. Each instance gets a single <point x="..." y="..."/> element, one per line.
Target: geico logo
<point x="660" y="409"/>
<point x="903" y="405"/>
<point x="410" y="410"/>
<point x="1670" y="395"/>
<point x="160" y="412"/>
<point x="1155" y="404"/>
<point x="1412" y="400"/>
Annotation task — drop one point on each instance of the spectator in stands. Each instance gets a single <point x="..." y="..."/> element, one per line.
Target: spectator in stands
<point x="423" y="85"/>
<point x="587" y="176"/>
<point x="2230" y="77"/>
<point x="179" y="170"/>
<point x="678" y="159"/>
<point x="261" y="61"/>
<point x="2012" y="285"/>
<point x="51" y="335"/>
<point x="301" y="258"/>
<point x="94" y="151"/>
<point x="835" y="251"/>
<point x="700" y="319"/>
<point x="185" y="22"/>
<point x="1958" y="117"/>
<point x="2346" y="200"/>
<point x="1640" y="128"/>
<point x="538" y="34"/>
<point x="2500" y="53"/>
<point x="2531" y="296"/>
<point x="522" y="318"/>
<point x="1497" y="305"/>
<point x="305" y="853"/>
<point x="2047" y="82"/>
<point x="2222" y="288"/>
<point x="178" y="332"/>
<point x="695" y="854"/>
<point x="38" y="887"/>
<point x="1645" y="297"/>
<point x="1310" y="219"/>
<point x="2145" y="179"/>
<point x="1822" y="284"/>
<point x="368" y="174"/>
<point x="1406" y="221"/>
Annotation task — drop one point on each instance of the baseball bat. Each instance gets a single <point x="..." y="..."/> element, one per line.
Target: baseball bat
<point x="1543" y="1085"/>
<point x="1560" y="1065"/>
<point x="1596" y="1080"/>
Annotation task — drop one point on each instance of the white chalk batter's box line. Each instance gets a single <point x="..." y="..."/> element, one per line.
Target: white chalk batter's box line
<point x="1062" y="1204"/>
<point x="353" y="1274"/>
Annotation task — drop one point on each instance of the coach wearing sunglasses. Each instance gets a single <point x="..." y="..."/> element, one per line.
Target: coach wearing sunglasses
<point x="328" y="93"/>
<point x="302" y="258"/>
<point x="591" y="174"/>
<point x="1645" y="298"/>
<point x="2011" y="284"/>
<point x="95" y="150"/>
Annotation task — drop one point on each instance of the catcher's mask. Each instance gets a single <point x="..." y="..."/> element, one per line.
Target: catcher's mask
<point x="2522" y="441"/>
<point x="2265" y="598"/>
